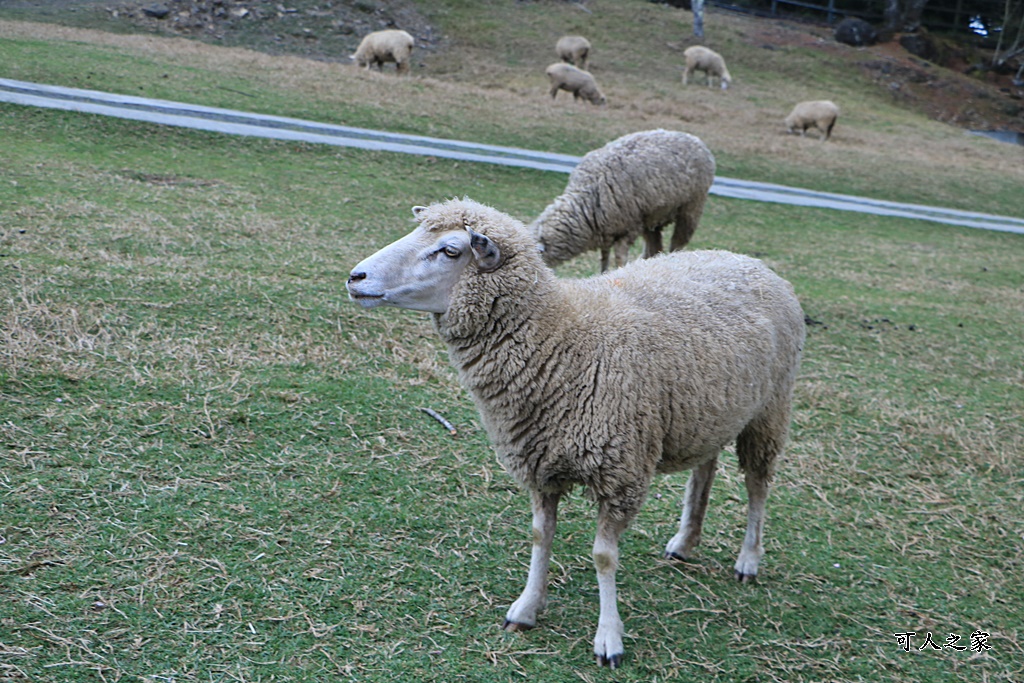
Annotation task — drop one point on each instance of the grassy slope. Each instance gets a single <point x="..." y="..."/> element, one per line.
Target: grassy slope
<point x="213" y="466"/>
<point x="487" y="85"/>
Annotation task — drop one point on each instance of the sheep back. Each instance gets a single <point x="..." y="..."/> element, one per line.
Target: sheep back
<point x="573" y="49"/>
<point x="381" y="47"/>
<point x="577" y="81"/>
<point x="606" y="381"/>
<point x="641" y="181"/>
<point x="820" y="114"/>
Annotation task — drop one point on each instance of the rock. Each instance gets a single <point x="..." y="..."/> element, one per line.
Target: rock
<point x="157" y="11"/>
<point x="855" y="32"/>
<point x="920" y="45"/>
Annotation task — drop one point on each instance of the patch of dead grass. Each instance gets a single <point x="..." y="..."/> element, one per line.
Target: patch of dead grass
<point x="37" y="334"/>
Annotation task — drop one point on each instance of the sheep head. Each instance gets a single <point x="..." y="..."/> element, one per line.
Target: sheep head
<point x="420" y="270"/>
<point x="557" y="230"/>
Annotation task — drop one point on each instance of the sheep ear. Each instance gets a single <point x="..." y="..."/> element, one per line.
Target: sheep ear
<point x="417" y="210"/>
<point x="486" y="252"/>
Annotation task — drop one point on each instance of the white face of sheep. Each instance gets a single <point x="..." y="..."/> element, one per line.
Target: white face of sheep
<point x="419" y="271"/>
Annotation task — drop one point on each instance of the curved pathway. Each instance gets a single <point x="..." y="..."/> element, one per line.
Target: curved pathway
<point x="282" y="128"/>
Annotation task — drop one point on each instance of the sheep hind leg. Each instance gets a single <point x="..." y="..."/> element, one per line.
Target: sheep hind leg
<point x="604" y="260"/>
<point x="695" y="506"/>
<point x="522" y="615"/>
<point x="687" y="219"/>
<point x="608" y="649"/>
<point x="757" y="446"/>
<point x="652" y="242"/>
<point x="621" y="249"/>
<point x="752" y="549"/>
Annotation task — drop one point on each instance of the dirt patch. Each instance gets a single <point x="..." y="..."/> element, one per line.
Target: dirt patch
<point x="328" y="31"/>
<point x="987" y="102"/>
<point x="983" y="101"/>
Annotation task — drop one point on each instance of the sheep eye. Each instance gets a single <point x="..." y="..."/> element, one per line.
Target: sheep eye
<point x="452" y="252"/>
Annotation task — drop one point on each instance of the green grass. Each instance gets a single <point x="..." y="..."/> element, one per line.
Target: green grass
<point x="213" y="467"/>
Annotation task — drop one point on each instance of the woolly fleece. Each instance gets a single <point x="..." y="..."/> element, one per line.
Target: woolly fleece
<point x="574" y="50"/>
<point x="700" y="58"/>
<point x="580" y="83"/>
<point x="604" y="382"/>
<point x="635" y="184"/>
<point x="380" y="47"/>
<point x="820" y="114"/>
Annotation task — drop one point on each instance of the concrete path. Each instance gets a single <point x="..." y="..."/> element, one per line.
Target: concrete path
<point x="282" y="128"/>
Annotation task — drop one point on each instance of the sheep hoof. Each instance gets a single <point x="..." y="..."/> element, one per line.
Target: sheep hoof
<point x="613" y="662"/>
<point x="746" y="578"/>
<point x="675" y="556"/>
<point x="514" y="626"/>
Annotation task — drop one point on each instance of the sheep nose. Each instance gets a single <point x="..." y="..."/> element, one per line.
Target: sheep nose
<point x="356" y="277"/>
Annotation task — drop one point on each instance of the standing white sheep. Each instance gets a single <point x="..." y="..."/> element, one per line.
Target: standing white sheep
<point x="381" y="47"/>
<point x="634" y="185"/>
<point x="577" y="81"/>
<point x="573" y="49"/>
<point x="603" y="382"/>
<point x="820" y="114"/>
<point x="699" y="58"/>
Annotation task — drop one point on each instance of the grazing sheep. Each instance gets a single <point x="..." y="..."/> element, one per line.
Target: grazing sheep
<point x="580" y="83"/>
<point x="699" y="58"/>
<point x="820" y="114"/>
<point x="574" y="50"/>
<point x="634" y="185"/>
<point x="603" y="382"/>
<point x="381" y="47"/>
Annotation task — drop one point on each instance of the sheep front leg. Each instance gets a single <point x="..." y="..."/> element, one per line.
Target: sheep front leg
<point x="608" y="649"/>
<point x="522" y="615"/>
<point x="695" y="506"/>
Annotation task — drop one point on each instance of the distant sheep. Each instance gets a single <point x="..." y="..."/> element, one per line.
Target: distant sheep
<point x="381" y="47"/>
<point x="604" y="382"/>
<point x="632" y="186"/>
<point x="820" y="114"/>
<point x="699" y="58"/>
<point x="580" y="83"/>
<point x="574" y="50"/>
